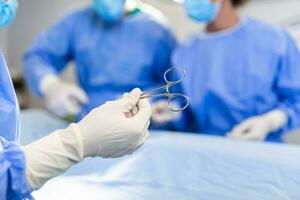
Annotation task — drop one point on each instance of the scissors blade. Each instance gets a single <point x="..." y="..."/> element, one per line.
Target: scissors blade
<point x="154" y="96"/>
<point x="155" y="90"/>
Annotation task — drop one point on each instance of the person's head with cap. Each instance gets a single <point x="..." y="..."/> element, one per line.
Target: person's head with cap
<point x="8" y="10"/>
<point x="113" y="10"/>
<point x="206" y="11"/>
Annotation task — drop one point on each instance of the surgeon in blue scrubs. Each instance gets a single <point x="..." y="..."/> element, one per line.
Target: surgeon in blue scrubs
<point x="116" y="46"/>
<point x="115" y="129"/>
<point x="243" y="74"/>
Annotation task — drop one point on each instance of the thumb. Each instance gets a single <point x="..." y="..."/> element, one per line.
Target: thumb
<point x="130" y="100"/>
<point x="243" y="127"/>
<point x="241" y="130"/>
<point x="79" y="95"/>
<point x="133" y="97"/>
<point x="145" y="111"/>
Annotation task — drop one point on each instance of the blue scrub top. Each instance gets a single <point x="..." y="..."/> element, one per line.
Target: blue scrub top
<point x="13" y="182"/>
<point x="239" y="73"/>
<point x="110" y="58"/>
<point x="9" y="107"/>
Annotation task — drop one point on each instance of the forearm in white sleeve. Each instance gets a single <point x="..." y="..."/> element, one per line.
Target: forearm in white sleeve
<point x="52" y="155"/>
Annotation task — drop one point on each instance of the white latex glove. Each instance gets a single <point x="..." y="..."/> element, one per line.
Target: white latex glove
<point x="258" y="128"/>
<point x="161" y="114"/>
<point x="111" y="130"/>
<point x="62" y="98"/>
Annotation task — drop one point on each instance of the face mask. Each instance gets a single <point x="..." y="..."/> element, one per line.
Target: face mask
<point x="9" y="109"/>
<point x="8" y="10"/>
<point x="110" y="10"/>
<point x="202" y="10"/>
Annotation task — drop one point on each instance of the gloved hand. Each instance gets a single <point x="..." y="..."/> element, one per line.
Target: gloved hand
<point x="161" y="114"/>
<point x="115" y="129"/>
<point x="124" y="128"/>
<point x="259" y="127"/>
<point x="62" y="98"/>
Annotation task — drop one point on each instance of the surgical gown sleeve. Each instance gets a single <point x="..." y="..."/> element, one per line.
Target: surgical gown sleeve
<point x="288" y="83"/>
<point x="13" y="182"/>
<point x="49" y="54"/>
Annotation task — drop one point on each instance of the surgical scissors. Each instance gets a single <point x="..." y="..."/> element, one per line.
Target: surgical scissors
<point x="171" y="96"/>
